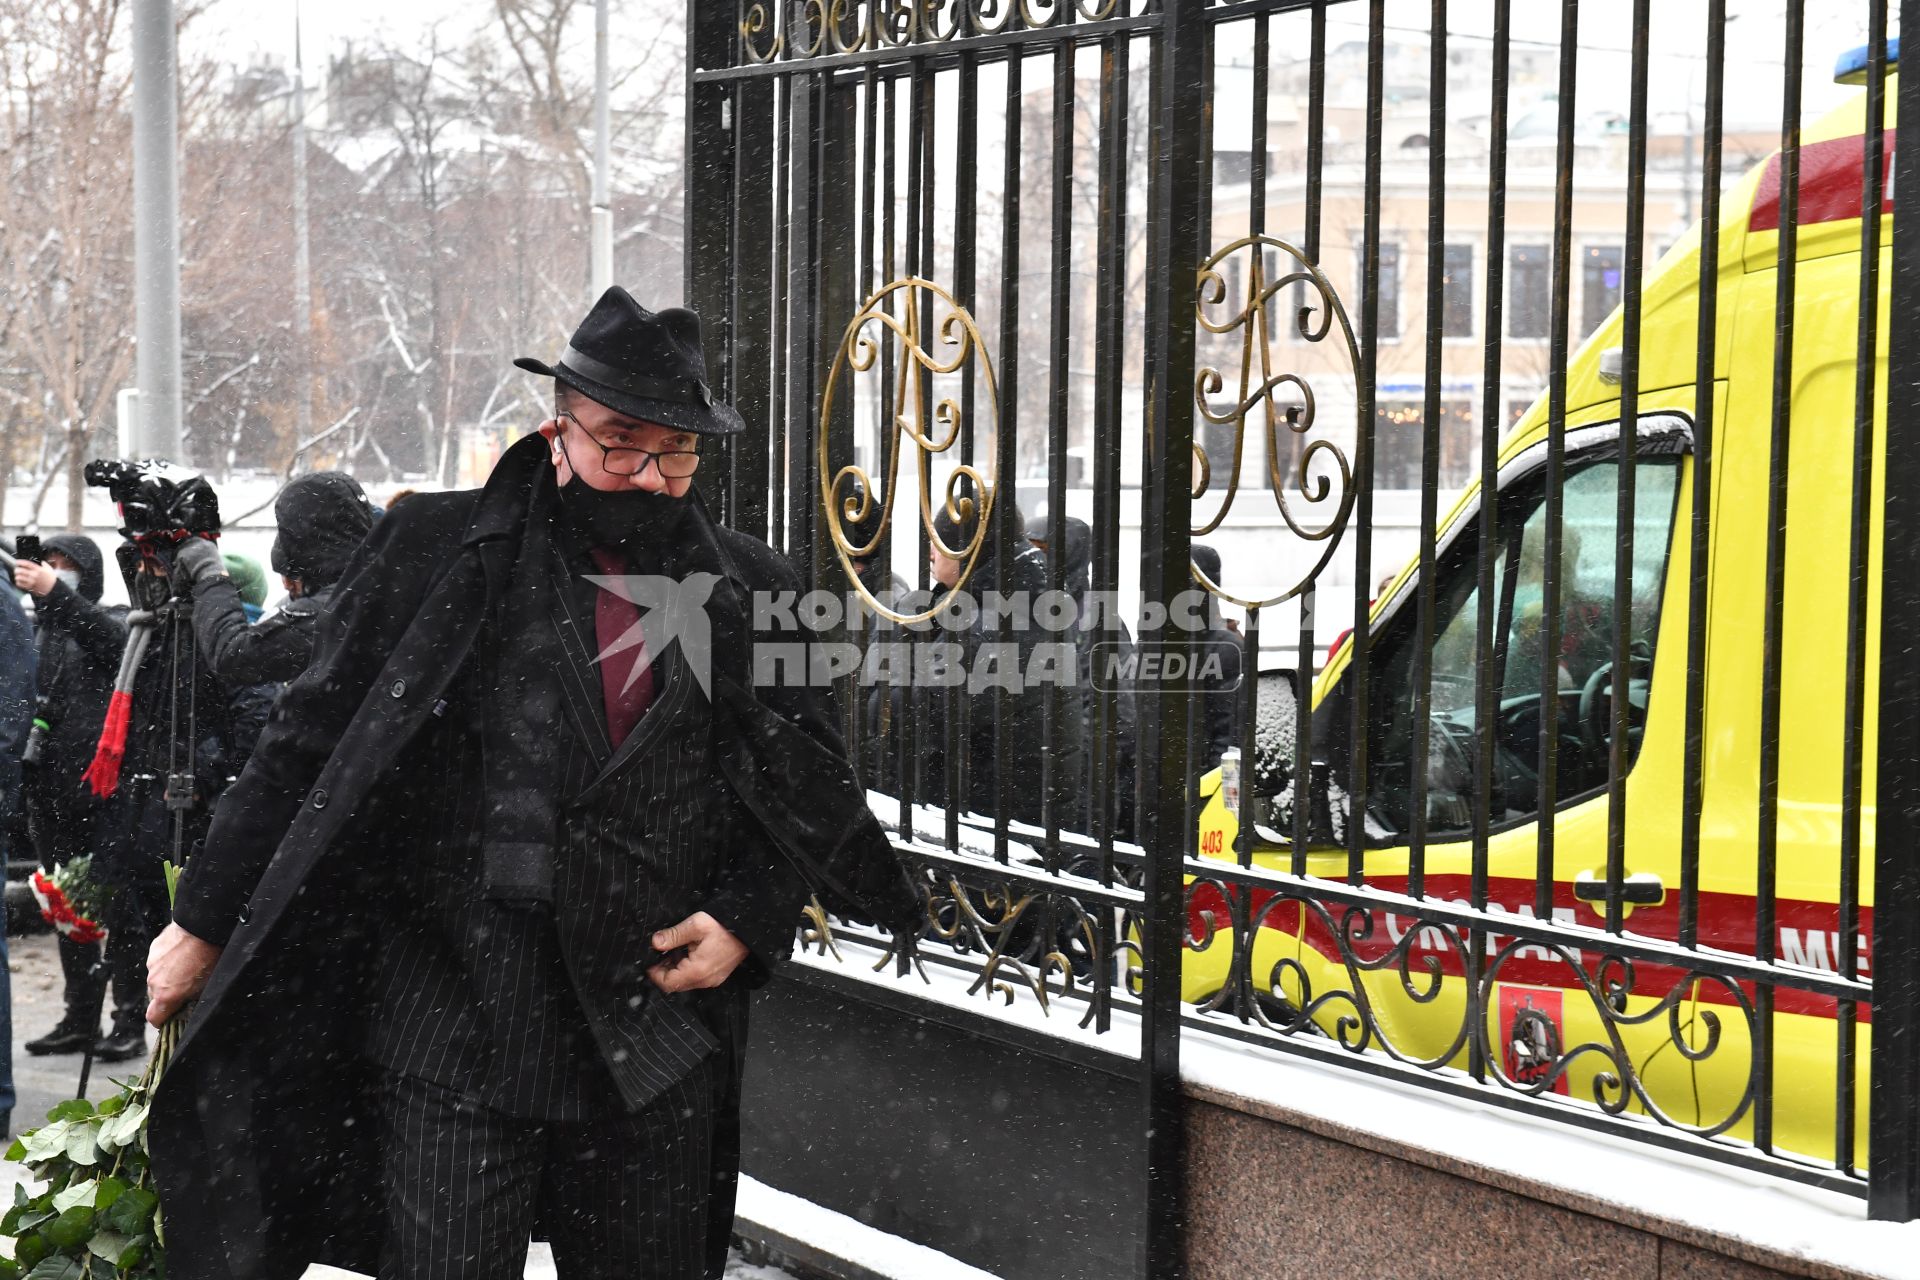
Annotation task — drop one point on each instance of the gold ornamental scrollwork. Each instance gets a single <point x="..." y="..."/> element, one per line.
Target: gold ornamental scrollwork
<point x="762" y="34"/>
<point x="771" y="30"/>
<point x="948" y="345"/>
<point x="1258" y="388"/>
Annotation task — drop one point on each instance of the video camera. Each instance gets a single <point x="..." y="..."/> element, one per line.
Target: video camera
<point x="158" y="501"/>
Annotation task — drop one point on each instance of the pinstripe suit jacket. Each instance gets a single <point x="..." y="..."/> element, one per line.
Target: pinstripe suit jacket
<point x="264" y="1142"/>
<point x="532" y="1010"/>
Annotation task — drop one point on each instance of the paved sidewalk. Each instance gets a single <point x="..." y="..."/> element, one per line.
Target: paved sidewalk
<point x="34" y="968"/>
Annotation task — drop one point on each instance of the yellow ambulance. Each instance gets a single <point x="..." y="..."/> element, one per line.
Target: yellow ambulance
<point x="1688" y="1036"/>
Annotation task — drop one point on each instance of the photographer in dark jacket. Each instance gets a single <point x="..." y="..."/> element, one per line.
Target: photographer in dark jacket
<point x="79" y="648"/>
<point x="322" y="518"/>
<point x="180" y="731"/>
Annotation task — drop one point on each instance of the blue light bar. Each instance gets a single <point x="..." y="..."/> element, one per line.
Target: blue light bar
<point x="1851" y="66"/>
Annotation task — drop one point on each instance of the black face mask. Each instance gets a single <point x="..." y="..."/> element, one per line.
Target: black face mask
<point x="629" y="516"/>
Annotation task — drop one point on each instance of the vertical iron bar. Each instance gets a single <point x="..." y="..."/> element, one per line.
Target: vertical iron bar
<point x="1109" y="352"/>
<point x="1624" y="505"/>
<point x="1109" y="344"/>
<point x="1006" y="430"/>
<point x="1424" y="623"/>
<point x="1195" y="726"/>
<point x="1556" y="463"/>
<point x="1367" y="392"/>
<point x="965" y="216"/>
<point x="1700" y="543"/>
<point x="836" y="276"/>
<point x="1866" y="348"/>
<point x="1316" y="124"/>
<point x="1487" y="675"/>
<point x="1166" y="479"/>
<point x="803" y="347"/>
<point x="1059" y="392"/>
<point x="1306" y="652"/>
<point x="1249" y="708"/>
<point x="1773" y="625"/>
<point x="1893" y="1175"/>
<point x="782" y="255"/>
<point x="755" y="164"/>
<point x="912" y="722"/>
<point x="1257" y="160"/>
<point x="712" y="202"/>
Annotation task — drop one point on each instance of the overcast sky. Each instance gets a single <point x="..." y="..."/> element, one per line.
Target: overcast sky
<point x="239" y="29"/>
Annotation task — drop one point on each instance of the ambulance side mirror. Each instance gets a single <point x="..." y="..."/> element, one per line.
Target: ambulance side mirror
<point x="1276" y="728"/>
<point x="1280" y="716"/>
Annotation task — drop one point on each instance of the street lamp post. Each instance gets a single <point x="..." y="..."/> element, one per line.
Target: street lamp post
<point x="602" y="204"/>
<point x="156" y="229"/>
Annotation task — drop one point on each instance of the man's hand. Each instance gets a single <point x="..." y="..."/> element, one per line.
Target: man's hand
<point x="30" y="575"/>
<point x="198" y="560"/>
<point x="177" y="967"/>
<point x="712" y="954"/>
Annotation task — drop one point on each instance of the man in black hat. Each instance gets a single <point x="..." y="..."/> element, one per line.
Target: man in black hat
<point x="472" y="934"/>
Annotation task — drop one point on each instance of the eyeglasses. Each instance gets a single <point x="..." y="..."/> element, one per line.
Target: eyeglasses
<point x="619" y="460"/>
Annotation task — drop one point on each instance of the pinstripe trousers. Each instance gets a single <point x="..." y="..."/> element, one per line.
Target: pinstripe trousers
<point x="623" y="1197"/>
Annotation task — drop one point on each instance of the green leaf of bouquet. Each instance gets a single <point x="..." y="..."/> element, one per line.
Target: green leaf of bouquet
<point x="128" y="1124"/>
<point x="71" y="1109"/>
<point x="113" y="1105"/>
<point x="17" y="1152"/>
<point x="9" y="1269"/>
<point x="80" y="1193"/>
<point x="82" y="1144"/>
<point x="29" y="1250"/>
<point x="132" y="1212"/>
<point x="31" y="1218"/>
<point x="110" y="1133"/>
<point x="108" y="1246"/>
<point x="46" y="1142"/>
<point x="111" y="1189"/>
<point x="71" y="1229"/>
<point x="56" y="1269"/>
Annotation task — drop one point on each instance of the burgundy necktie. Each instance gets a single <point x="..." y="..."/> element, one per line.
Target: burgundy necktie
<point x="627" y="692"/>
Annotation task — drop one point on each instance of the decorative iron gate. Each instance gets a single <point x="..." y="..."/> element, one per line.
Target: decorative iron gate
<point x="1137" y="263"/>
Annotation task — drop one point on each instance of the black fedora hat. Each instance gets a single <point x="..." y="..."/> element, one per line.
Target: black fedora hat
<point x="645" y="364"/>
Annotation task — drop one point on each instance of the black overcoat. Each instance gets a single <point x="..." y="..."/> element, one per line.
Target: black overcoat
<point x="263" y="1136"/>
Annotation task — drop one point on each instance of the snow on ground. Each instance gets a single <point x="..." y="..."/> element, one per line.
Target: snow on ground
<point x="784" y="1214"/>
<point x="540" y="1267"/>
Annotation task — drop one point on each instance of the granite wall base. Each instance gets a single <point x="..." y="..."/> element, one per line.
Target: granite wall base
<point x="1267" y="1199"/>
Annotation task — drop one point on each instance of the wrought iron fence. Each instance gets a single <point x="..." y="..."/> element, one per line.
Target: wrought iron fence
<point x="1571" y="816"/>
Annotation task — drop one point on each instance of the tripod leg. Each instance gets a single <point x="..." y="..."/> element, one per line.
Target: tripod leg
<point x="99" y="993"/>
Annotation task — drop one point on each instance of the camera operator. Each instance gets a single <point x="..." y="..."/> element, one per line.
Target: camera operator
<point x="322" y="518"/>
<point x="79" y="647"/>
<point x="176" y="733"/>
